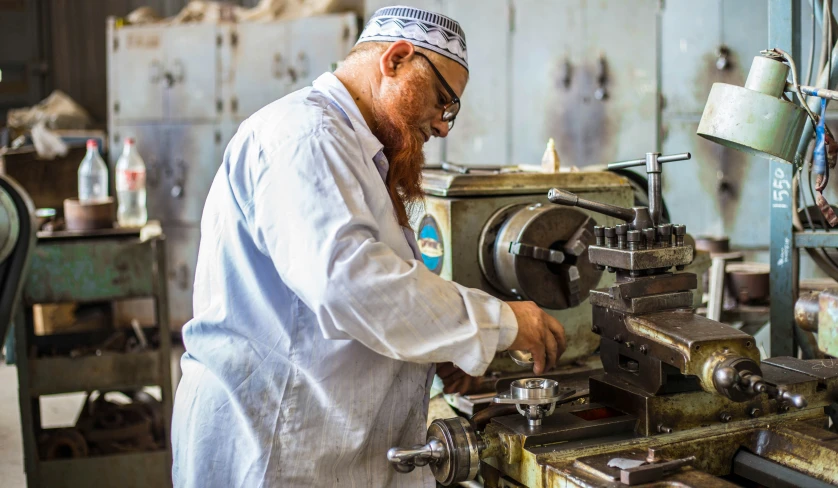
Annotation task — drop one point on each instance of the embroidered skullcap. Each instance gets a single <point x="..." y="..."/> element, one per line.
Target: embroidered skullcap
<point x="423" y="28"/>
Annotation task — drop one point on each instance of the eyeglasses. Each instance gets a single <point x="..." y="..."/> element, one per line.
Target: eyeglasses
<point x="452" y="108"/>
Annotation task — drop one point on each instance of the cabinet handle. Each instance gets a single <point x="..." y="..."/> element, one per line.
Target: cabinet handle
<point x="155" y="71"/>
<point x="601" y="92"/>
<point x="276" y="68"/>
<point x="300" y="69"/>
<point x="153" y="173"/>
<point x="180" y="180"/>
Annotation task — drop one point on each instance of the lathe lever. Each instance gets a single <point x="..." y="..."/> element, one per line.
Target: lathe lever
<point x="405" y="459"/>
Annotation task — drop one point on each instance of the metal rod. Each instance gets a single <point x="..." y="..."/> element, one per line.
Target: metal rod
<point x="642" y="162"/>
<point x="818" y="92"/>
<point x="561" y="197"/>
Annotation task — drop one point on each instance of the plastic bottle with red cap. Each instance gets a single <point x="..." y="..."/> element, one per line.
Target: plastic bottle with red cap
<point x="130" y="187"/>
<point x="93" y="175"/>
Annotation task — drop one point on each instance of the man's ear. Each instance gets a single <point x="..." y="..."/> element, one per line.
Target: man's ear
<point x="397" y="54"/>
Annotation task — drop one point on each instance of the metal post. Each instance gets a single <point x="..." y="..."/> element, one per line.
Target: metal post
<point x="653" y="174"/>
<point x="783" y="32"/>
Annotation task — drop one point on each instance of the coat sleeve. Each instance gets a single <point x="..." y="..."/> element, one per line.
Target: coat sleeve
<point x="310" y="215"/>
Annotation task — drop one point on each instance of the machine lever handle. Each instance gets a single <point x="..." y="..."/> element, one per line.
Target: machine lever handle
<point x="562" y="197"/>
<point x="642" y="162"/>
<point x="405" y="459"/>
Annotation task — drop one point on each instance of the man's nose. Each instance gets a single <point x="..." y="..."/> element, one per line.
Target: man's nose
<point x="440" y="128"/>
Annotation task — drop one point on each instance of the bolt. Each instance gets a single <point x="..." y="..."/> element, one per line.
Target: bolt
<point x="665" y="235"/>
<point x="599" y="233"/>
<point x="680" y="231"/>
<point x="595" y="329"/>
<point x="610" y="236"/>
<point x="618" y="338"/>
<point x="725" y="417"/>
<point x="664" y="429"/>
<point x="633" y="238"/>
<point x="632" y="366"/>
<point x="755" y="412"/>
<point x="629" y="344"/>
<point x="643" y="349"/>
<point x="621" y="230"/>
<point x="649" y="235"/>
<point x="784" y="407"/>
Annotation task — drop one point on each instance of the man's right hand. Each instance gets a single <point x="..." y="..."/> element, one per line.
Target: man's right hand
<point x="539" y="334"/>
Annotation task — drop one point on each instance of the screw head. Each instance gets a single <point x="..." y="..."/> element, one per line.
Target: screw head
<point x="679" y="230"/>
<point x="725" y="417"/>
<point x="643" y="349"/>
<point x="629" y="344"/>
<point x="621" y="229"/>
<point x="633" y="236"/>
<point x="755" y="412"/>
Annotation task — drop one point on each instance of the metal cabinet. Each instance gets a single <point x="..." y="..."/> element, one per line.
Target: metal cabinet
<point x="181" y="161"/>
<point x="595" y="94"/>
<point x="258" y="66"/>
<point x="182" y="257"/>
<point x="159" y="72"/>
<point x="720" y="190"/>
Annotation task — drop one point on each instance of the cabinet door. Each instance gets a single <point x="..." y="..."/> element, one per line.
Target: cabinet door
<point x="192" y="157"/>
<point x="136" y="73"/>
<point x="192" y="73"/>
<point x="481" y="134"/>
<point x="181" y="258"/>
<point x="547" y="63"/>
<point x="316" y="44"/>
<point x="259" y="65"/>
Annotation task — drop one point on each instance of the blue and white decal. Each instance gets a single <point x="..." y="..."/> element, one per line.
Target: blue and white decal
<point x="430" y="244"/>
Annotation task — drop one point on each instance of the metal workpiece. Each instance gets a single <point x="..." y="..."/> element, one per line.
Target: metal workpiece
<point x="534" y="398"/>
<point x="643" y="259"/>
<point x="538" y="253"/>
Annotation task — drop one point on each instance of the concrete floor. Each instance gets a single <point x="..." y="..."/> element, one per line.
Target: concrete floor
<point x="56" y="411"/>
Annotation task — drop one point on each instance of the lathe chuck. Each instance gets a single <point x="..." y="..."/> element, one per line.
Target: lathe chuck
<point x="538" y="253"/>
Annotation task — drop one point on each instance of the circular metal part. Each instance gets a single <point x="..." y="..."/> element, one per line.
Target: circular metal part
<point x="712" y="244"/>
<point x="461" y="457"/>
<point x="535" y="389"/>
<point x="62" y="444"/>
<point x="521" y="358"/>
<point x="539" y="253"/>
<point x="729" y="378"/>
<point x="9" y="225"/>
<point x="806" y="310"/>
<point x="752" y="122"/>
<point x="767" y="76"/>
<point x="749" y="282"/>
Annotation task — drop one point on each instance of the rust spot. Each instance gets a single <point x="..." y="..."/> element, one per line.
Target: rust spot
<point x="576" y="120"/>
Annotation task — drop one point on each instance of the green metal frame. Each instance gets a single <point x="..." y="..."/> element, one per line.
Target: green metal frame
<point x="86" y="270"/>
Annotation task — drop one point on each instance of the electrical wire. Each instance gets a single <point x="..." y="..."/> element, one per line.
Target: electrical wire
<point x="789" y="60"/>
<point x="811" y="62"/>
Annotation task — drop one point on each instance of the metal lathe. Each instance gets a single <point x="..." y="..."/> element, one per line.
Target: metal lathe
<point x="681" y="400"/>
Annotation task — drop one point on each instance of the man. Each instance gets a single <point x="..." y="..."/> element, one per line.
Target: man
<point x="316" y="324"/>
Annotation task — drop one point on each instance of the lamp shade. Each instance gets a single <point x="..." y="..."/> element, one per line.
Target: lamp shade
<point x="754" y="119"/>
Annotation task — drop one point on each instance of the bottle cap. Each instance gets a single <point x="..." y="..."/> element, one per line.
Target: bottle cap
<point x="92" y="144"/>
<point x="129" y="141"/>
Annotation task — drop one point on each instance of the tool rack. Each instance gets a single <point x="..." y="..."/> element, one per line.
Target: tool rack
<point x="101" y="266"/>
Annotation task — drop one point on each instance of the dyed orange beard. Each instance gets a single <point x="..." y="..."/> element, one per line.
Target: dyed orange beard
<point x="395" y="126"/>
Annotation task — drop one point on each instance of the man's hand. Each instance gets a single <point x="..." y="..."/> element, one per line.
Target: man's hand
<point x="454" y="378"/>
<point x="539" y="334"/>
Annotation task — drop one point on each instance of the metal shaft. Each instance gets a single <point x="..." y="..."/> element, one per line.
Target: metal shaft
<point x="653" y="175"/>
<point x="642" y="162"/>
<point x="561" y="197"/>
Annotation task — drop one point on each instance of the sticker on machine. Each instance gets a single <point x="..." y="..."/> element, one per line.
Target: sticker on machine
<point x="430" y="244"/>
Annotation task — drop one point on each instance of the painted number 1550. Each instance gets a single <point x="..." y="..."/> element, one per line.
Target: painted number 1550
<point x="781" y="187"/>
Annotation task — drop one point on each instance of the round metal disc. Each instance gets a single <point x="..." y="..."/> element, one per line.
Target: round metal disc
<point x="549" y="227"/>
<point x="488" y="239"/>
<point x="462" y="457"/>
<point x="535" y="389"/>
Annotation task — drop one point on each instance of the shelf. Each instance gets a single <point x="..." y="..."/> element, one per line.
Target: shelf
<point x="815" y="239"/>
<point x="110" y="371"/>
<point x="139" y="469"/>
